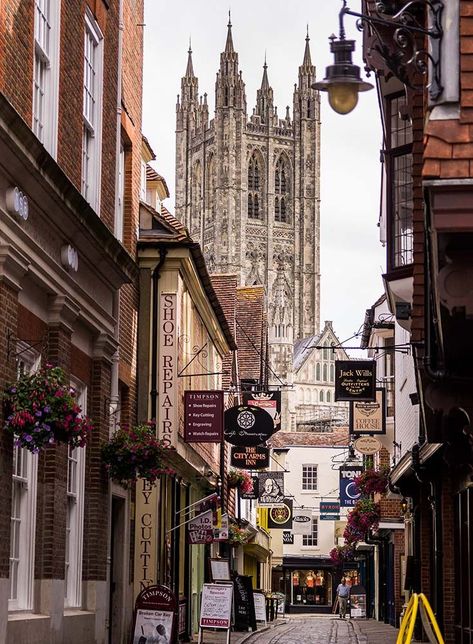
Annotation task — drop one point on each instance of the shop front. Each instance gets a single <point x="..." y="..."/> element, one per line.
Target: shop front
<point x="310" y="583"/>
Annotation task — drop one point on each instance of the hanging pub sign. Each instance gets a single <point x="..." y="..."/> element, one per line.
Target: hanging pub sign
<point x="249" y="458"/>
<point x="329" y="510"/>
<point x="367" y="445"/>
<point x="302" y="521"/>
<point x="270" y="401"/>
<point x="280" y="516"/>
<point x="288" y="538"/>
<point x="251" y="496"/>
<point x="369" y="417"/>
<point x="155" y="615"/>
<point x="203" y="416"/>
<point x="247" y="426"/>
<point x="355" y="380"/>
<point x="349" y="493"/>
<point x="271" y="488"/>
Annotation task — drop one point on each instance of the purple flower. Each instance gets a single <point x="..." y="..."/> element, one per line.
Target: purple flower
<point x="28" y="438"/>
<point x="38" y="413"/>
<point x="12" y="390"/>
<point x="51" y="440"/>
<point x="47" y="409"/>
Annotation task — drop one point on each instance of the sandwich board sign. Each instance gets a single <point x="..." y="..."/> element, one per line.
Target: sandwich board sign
<point x="155" y="615"/>
<point x="260" y="607"/>
<point x="216" y="608"/>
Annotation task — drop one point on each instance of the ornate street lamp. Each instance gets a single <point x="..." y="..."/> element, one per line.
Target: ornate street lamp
<point x="396" y="42"/>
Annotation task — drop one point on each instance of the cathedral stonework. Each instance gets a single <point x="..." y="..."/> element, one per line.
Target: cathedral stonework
<point x="248" y="189"/>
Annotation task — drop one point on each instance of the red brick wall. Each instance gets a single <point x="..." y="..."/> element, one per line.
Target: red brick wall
<point x="16" y="55"/>
<point x="51" y="508"/>
<point x="96" y="480"/>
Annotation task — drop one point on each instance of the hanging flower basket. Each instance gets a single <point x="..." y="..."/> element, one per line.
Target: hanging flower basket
<point x="136" y="453"/>
<point x="240" y="479"/>
<point x="365" y="515"/>
<point x="237" y="536"/>
<point x="41" y="410"/>
<point x="372" y="481"/>
<point x="340" y="554"/>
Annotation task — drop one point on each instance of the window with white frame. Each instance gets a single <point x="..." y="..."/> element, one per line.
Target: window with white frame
<point x="312" y="538"/>
<point x="46" y="72"/>
<point x="92" y="111"/>
<point x="309" y="477"/>
<point x="75" y="512"/>
<point x="23" y="506"/>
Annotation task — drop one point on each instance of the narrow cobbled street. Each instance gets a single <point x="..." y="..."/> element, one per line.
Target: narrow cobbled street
<point x="320" y="629"/>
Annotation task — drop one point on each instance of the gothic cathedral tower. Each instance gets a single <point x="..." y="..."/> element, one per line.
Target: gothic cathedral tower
<point x="249" y="190"/>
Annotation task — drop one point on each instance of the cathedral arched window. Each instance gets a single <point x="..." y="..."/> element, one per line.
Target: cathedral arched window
<point x="254" y="188"/>
<point x="329" y="396"/>
<point x="196" y="196"/>
<point x="325" y="373"/>
<point x="317" y="372"/>
<point x="211" y="189"/>
<point x="321" y="396"/>
<point x="282" y="189"/>
<point x="332" y="372"/>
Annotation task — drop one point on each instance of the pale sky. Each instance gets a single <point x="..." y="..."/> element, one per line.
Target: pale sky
<point x="352" y="259"/>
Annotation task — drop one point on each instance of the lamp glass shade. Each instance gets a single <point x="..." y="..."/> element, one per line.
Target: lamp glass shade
<point x="343" y="97"/>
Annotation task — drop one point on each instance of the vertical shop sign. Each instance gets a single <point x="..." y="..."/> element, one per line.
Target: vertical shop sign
<point x="167" y="421"/>
<point x="145" y="535"/>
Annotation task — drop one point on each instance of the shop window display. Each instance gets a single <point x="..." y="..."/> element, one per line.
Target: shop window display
<point x="311" y="587"/>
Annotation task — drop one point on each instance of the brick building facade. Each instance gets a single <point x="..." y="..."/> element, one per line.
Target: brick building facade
<point x="70" y="173"/>
<point x="427" y="219"/>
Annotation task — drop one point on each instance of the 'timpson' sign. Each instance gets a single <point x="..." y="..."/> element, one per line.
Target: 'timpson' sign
<point x="167" y="421"/>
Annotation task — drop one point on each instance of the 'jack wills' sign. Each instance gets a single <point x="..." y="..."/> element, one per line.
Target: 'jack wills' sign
<point x="167" y="421"/>
<point x="355" y="380"/>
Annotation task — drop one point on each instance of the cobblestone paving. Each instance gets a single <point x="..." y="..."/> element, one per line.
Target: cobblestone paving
<point x="311" y="630"/>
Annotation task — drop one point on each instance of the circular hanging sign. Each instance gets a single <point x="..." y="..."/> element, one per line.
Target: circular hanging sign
<point x="247" y="425"/>
<point x="367" y="445"/>
<point x="280" y="514"/>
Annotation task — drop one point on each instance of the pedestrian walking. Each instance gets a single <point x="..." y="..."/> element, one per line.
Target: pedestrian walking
<point x="343" y="593"/>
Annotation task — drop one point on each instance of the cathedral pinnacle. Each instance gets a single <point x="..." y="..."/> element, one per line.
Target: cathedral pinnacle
<point x="265" y="81"/>
<point x="307" y="59"/>
<point x="229" y="44"/>
<point x="190" y="68"/>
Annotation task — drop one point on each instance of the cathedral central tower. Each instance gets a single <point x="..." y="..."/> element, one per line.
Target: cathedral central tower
<point x="248" y="188"/>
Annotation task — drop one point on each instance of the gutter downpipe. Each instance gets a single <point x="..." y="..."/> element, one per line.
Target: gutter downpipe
<point x="155" y="275"/>
<point x="114" y="392"/>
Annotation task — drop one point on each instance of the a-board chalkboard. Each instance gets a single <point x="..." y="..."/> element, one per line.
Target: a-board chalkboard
<point x="260" y="606"/>
<point x="244" y="605"/>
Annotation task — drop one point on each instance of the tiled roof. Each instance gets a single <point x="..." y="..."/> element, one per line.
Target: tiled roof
<point x="303" y="348"/>
<point x="225" y="288"/>
<point x="152" y="175"/>
<point x="251" y="331"/>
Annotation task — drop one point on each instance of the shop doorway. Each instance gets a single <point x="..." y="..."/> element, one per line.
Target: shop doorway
<point x="311" y="588"/>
